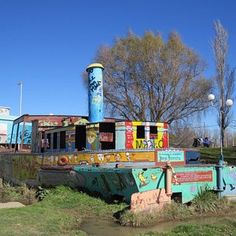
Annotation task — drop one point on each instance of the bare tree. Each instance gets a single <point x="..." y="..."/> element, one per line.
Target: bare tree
<point x="181" y="135"/>
<point x="149" y="79"/>
<point x="224" y="79"/>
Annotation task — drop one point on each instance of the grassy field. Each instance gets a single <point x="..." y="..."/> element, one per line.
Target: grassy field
<point x="63" y="210"/>
<point x="60" y="213"/>
<point x="223" y="226"/>
<point x="211" y="155"/>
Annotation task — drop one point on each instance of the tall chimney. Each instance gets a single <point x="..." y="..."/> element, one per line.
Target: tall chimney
<point x="95" y="92"/>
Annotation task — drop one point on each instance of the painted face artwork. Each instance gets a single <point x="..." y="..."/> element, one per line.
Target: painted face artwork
<point x="91" y="136"/>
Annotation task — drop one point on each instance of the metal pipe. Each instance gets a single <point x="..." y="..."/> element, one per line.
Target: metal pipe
<point x="168" y="179"/>
<point x="220" y="184"/>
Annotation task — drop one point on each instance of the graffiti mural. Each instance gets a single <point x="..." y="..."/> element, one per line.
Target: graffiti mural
<point x="70" y="139"/>
<point x="145" y="135"/>
<point x="93" y="158"/>
<point x="92" y="137"/>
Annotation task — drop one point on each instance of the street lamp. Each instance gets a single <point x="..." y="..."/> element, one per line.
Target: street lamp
<point x="228" y="103"/>
<point x="21" y="90"/>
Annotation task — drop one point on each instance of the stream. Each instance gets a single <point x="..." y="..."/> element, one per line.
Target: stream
<point x="106" y="227"/>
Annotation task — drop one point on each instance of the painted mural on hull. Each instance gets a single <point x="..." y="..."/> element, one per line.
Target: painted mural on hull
<point x="187" y="181"/>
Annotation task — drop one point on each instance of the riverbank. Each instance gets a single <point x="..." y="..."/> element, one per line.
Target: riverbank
<point x="61" y="212"/>
<point x="67" y="212"/>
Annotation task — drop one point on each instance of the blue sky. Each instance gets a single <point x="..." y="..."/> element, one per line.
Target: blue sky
<point x="47" y="44"/>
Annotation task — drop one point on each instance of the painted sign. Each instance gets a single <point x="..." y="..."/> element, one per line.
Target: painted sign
<point x="197" y="176"/>
<point x="176" y="157"/>
<point x="106" y="137"/>
<point x="129" y="135"/>
<point x="48" y="123"/>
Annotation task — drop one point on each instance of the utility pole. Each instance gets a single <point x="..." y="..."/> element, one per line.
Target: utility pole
<point x="21" y="90"/>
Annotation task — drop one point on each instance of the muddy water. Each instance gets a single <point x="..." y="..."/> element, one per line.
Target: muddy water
<point x="102" y="227"/>
<point x="97" y="227"/>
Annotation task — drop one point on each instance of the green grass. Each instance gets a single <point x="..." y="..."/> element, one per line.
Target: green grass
<point x="60" y="213"/>
<point x="63" y="210"/>
<point x="220" y="227"/>
<point x="211" y="155"/>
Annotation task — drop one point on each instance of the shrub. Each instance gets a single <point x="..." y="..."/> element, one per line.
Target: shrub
<point x="20" y="193"/>
<point x="208" y="202"/>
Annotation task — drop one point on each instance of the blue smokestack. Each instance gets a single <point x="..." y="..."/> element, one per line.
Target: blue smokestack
<point x="95" y="92"/>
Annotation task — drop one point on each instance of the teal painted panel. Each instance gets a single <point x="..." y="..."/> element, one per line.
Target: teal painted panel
<point x="149" y="178"/>
<point x="229" y="181"/>
<point x="120" y="138"/>
<point x="108" y="182"/>
<point x="188" y="181"/>
<point x="229" y="175"/>
<point x="191" y="180"/>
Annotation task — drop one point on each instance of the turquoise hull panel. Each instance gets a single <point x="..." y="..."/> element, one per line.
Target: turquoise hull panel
<point x="229" y="181"/>
<point x="187" y="181"/>
<point x="107" y="182"/>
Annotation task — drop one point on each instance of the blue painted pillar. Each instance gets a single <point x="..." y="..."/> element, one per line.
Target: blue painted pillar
<point x="95" y="92"/>
<point x="220" y="182"/>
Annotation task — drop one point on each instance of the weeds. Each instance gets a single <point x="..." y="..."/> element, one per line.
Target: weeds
<point x="60" y="213"/>
<point x="170" y="212"/>
<point x="176" y="211"/>
<point x="208" y="202"/>
<point x="20" y="193"/>
<point x="205" y="203"/>
<point x="130" y="218"/>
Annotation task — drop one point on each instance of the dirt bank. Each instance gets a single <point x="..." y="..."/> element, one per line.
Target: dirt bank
<point x="11" y="205"/>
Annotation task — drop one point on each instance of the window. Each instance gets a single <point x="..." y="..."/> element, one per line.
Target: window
<point x="62" y="139"/>
<point x="153" y="132"/>
<point x="141" y="132"/>
<point x="55" y="140"/>
<point x="80" y="137"/>
<point x="107" y="135"/>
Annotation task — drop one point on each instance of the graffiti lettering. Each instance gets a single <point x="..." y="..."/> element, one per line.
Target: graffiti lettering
<point x="94" y="84"/>
<point x="148" y="144"/>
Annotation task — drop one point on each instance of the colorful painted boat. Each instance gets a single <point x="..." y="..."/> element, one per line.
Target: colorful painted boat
<point x="132" y="182"/>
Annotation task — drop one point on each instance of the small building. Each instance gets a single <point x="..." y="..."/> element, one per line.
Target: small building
<point x="6" y="122"/>
<point x="28" y="130"/>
